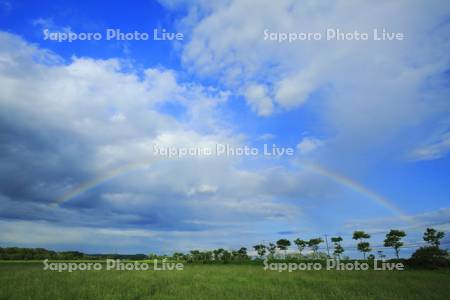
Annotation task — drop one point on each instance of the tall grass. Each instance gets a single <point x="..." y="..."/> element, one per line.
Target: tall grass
<point x="29" y="281"/>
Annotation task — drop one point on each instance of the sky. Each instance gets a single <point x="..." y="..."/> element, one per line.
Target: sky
<point x="368" y="122"/>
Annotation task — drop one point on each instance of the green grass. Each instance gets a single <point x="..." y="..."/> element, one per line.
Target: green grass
<point x="29" y="281"/>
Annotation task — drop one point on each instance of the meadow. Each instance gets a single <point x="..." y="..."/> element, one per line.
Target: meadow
<point x="27" y="280"/>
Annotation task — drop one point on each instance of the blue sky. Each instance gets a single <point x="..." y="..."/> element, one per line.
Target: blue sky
<point x="369" y="122"/>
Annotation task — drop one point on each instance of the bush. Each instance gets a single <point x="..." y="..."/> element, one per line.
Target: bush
<point x="430" y="257"/>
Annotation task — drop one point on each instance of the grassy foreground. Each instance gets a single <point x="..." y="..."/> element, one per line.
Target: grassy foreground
<point x="29" y="281"/>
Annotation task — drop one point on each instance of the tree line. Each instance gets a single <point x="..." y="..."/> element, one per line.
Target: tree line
<point x="393" y="239"/>
<point x="16" y="253"/>
<point x="427" y="255"/>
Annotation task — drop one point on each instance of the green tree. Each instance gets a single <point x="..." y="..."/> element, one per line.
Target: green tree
<point x="260" y="249"/>
<point x="194" y="255"/>
<point x="301" y="245"/>
<point x="152" y="256"/>
<point x="242" y="253"/>
<point x="272" y="249"/>
<point x="235" y="254"/>
<point x="283" y="244"/>
<point x="314" y="245"/>
<point x="393" y="239"/>
<point x="225" y="256"/>
<point x="433" y="237"/>
<point x="207" y="256"/>
<point x="218" y="254"/>
<point x="430" y="257"/>
<point x="178" y="256"/>
<point x="338" y="249"/>
<point x="362" y="246"/>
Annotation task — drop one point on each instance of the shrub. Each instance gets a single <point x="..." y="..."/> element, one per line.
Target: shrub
<point x="430" y="257"/>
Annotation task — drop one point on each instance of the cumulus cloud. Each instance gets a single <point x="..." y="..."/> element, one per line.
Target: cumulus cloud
<point x="294" y="91"/>
<point x="308" y="145"/>
<point x="68" y="123"/>
<point x="369" y="92"/>
<point x="257" y="98"/>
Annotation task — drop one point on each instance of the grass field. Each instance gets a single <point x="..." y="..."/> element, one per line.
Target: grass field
<point x="29" y="281"/>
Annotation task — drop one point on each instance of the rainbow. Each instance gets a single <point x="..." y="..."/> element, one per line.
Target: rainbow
<point x="359" y="188"/>
<point x="338" y="178"/>
<point x="82" y="188"/>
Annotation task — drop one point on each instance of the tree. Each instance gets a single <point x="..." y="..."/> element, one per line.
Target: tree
<point x="225" y="256"/>
<point x="272" y="249"/>
<point x="363" y="246"/>
<point x="234" y="254"/>
<point x="393" y="239"/>
<point x="152" y="256"/>
<point x="219" y="254"/>
<point x="301" y="245"/>
<point x="433" y="237"/>
<point x="194" y="255"/>
<point x="207" y="256"/>
<point x="314" y="245"/>
<point x="260" y="249"/>
<point x="338" y="249"/>
<point x="283" y="244"/>
<point x="178" y="256"/>
<point x="430" y="257"/>
<point x="242" y="253"/>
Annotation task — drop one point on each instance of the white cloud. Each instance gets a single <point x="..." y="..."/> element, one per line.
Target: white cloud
<point x="293" y="91"/>
<point x="202" y="189"/>
<point x="369" y="92"/>
<point x="308" y="145"/>
<point x="266" y="137"/>
<point x="257" y="98"/>
<point x="435" y="149"/>
<point x="118" y="117"/>
<point x="96" y="118"/>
